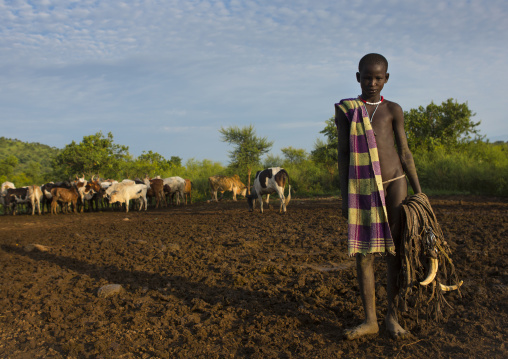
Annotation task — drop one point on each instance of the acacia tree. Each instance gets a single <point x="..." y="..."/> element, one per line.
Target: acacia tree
<point x="248" y="148"/>
<point x="448" y="124"/>
<point x="294" y="155"/>
<point x="94" y="155"/>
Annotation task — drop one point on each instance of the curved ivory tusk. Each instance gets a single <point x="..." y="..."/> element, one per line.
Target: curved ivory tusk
<point x="448" y="288"/>
<point x="432" y="272"/>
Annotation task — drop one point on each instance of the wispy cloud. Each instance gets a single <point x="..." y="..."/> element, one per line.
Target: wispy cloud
<point x="205" y="64"/>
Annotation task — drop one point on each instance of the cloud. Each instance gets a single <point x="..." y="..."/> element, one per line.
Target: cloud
<point x="188" y="67"/>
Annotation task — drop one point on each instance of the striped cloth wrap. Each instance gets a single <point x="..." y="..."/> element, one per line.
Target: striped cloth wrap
<point x="368" y="228"/>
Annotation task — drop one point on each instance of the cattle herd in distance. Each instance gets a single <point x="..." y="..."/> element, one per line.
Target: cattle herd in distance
<point x="96" y="194"/>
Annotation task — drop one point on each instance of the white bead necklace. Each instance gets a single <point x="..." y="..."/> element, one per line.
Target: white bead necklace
<point x="371" y="103"/>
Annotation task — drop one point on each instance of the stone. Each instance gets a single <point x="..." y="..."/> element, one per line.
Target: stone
<point x="109" y="290"/>
<point x="36" y="247"/>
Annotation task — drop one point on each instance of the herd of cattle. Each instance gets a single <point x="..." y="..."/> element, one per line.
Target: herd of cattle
<point x="96" y="193"/>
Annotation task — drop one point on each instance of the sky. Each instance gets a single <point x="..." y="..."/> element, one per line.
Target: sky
<point x="165" y="76"/>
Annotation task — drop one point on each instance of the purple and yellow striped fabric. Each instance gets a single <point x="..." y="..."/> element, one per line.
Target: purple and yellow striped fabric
<point x="368" y="229"/>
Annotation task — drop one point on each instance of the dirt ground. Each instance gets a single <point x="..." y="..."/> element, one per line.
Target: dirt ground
<point x="211" y="280"/>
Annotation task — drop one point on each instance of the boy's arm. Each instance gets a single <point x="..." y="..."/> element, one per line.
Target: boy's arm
<point x="343" y="156"/>
<point x="405" y="155"/>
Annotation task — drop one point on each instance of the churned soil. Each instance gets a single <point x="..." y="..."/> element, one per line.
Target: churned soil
<point x="212" y="280"/>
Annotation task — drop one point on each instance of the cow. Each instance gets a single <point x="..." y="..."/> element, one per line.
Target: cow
<point x="13" y="197"/>
<point x="34" y="196"/>
<point x="46" y="192"/>
<point x="65" y="196"/>
<point x="126" y="193"/>
<point x="225" y="183"/>
<point x="80" y="184"/>
<point x="95" y="193"/>
<point x="3" y="192"/>
<point x="156" y="189"/>
<point x="175" y="185"/>
<point x="5" y="186"/>
<point x="268" y="181"/>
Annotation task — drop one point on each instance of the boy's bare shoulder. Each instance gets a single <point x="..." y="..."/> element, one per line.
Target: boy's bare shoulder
<point x="394" y="108"/>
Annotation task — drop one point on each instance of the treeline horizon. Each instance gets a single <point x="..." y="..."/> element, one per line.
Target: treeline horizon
<point x="451" y="157"/>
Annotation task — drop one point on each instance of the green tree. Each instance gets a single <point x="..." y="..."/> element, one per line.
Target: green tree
<point x="175" y="162"/>
<point x="94" y="155"/>
<point x="7" y="166"/>
<point x="448" y="124"/>
<point x="272" y="161"/>
<point x="294" y="155"/>
<point x="325" y="152"/>
<point x="152" y="164"/>
<point x="34" y="172"/>
<point x="248" y="148"/>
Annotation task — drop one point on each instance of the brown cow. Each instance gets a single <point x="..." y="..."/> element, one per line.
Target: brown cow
<point x="225" y="183"/>
<point x="65" y="196"/>
<point x="156" y="189"/>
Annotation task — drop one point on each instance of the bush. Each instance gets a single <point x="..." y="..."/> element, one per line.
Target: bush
<point x="475" y="168"/>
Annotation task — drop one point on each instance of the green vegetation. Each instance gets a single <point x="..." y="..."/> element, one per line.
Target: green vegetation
<point x="25" y="163"/>
<point x="477" y="168"/>
<point x="448" y="159"/>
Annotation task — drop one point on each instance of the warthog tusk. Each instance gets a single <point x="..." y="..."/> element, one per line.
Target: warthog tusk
<point x="432" y="272"/>
<point x="448" y="288"/>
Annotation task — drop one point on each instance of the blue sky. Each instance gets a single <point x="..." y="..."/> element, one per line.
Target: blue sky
<point x="166" y="75"/>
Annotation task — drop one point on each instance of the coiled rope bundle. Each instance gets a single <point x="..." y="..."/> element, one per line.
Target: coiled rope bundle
<point x="422" y="247"/>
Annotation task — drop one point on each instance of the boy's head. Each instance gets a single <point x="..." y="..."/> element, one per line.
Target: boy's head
<point x="372" y="59"/>
<point x="372" y="75"/>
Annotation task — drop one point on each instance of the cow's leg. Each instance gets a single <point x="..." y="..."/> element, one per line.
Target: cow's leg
<point x="280" y="192"/>
<point x="126" y="206"/>
<point x="268" y="200"/>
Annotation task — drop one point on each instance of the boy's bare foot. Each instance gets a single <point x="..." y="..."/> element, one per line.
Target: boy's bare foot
<point x="361" y="330"/>
<point x="395" y="330"/>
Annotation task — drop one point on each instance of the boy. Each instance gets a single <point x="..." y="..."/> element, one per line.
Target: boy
<point x="372" y="173"/>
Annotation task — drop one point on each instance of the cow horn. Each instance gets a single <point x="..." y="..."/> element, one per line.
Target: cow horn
<point x="448" y="288"/>
<point x="432" y="272"/>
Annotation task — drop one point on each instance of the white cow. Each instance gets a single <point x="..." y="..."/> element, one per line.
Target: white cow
<point x="271" y="180"/>
<point x="34" y="196"/>
<point x="177" y="185"/>
<point x="128" y="192"/>
<point x="118" y="186"/>
<point x="5" y="186"/>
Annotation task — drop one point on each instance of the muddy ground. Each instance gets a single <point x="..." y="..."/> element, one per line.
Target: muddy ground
<point x="212" y="280"/>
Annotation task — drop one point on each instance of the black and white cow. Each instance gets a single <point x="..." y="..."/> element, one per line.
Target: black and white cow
<point x="271" y="180"/>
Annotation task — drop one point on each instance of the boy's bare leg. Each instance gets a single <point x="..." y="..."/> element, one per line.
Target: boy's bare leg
<point x="396" y="193"/>
<point x="365" y="274"/>
<point x="391" y="321"/>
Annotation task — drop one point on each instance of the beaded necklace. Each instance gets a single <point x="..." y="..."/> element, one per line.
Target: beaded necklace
<point x="371" y="103"/>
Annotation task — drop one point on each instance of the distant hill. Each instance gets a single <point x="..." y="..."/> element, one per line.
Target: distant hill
<point x="28" y="152"/>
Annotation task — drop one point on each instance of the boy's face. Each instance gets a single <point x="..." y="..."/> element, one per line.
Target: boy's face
<point x="372" y="79"/>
